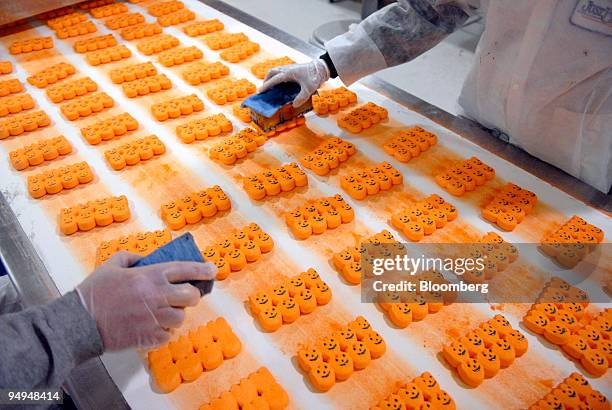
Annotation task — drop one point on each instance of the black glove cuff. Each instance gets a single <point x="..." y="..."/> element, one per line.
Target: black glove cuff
<point x="330" y="65"/>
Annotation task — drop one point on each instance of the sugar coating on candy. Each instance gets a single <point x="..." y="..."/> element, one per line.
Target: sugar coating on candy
<point x="240" y="51"/>
<point x="331" y="101"/>
<point x="109" y="129"/>
<point x="132" y="153"/>
<point x="194" y="207"/>
<point x="465" y="176"/>
<point x="316" y="216"/>
<point x="336" y="357"/>
<point x="55" y="180"/>
<point x="202" y="72"/>
<point x="362" y="118"/>
<point x="100" y="212"/>
<point x="274" y="181"/>
<point x="218" y="41"/>
<point x="78" y="29"/>
<point x="12" y="86"/>
<point x="179" y="55"/>
<point x="50" y="75"/>
<point x="424" y="217"/>
<point x="67" y="20"/>
<point x="177" y="107"/>
<point x="403" y="308"/>
<point x="132" y="72"/>
<point x="410" y="143"/>
<point x="496" y="252"/>
<point x="259" y="390"/>
<point x="484" y="351"/>
<point x="71" y="25"/>
<point x="371" y="180"/>
<point x="157" y="44"/>
<point x="6" y="67"/>
<point x="292" y="297"/>
<point x="140" y="31"/>
<point x="176" y="17"/>
<point x="242" y="113"/>
<point x="348" y="262"/>
<point x="422" y="392"/>
<point x="15" y="103"/>
<point x="573" y="392"/>
<point x="328" y="155"/>
<point x="203" y="27"/>
<point x="229" y="90"/>
<point x="241" y="247"/>
<point x="572" y="241"/>
<point x="86" y="106"/>
<point x="237" y="146"/>
<point x="22" y="123"/>
<point x="260" y="69"/>
<point x="108" y="10"/>
<point x="186" y="357"/>
<point x="146" y="85"/>
<point x="71" y="89"/>
<point x="39" y="152"/>
<point x="95" y="43"/>
<point x="509" y="206"/>
<point x="203" y="128"/>
<point x="108" y="55"/>
<point x="141" y="243"/>
<point x="124" y="20"/>
<point x="165" y="7"/>
<point x="559" y="316"/>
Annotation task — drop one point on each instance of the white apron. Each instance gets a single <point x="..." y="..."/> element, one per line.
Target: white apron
<point x="543" y="76"/>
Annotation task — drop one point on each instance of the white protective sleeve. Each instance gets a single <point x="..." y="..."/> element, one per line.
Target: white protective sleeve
<point x="396" y="34"/>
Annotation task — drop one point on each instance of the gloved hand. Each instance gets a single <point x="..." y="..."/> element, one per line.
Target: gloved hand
<point x="135" y="307"/>
<point x="310" y="76"/>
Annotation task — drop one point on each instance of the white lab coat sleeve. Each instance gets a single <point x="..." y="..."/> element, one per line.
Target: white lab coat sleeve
<point x="395" y="34"/>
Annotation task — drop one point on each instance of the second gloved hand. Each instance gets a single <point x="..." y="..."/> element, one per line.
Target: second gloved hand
<point x="310" y="76"/>
<point x="135" y="307"/>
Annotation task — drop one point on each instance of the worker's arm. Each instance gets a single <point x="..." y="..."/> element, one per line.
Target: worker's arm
<point x="116" y="307"/>
<point x="391" y="36"/>
<point x="41" y="345"/>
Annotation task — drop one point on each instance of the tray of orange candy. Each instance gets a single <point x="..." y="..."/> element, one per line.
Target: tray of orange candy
<point x="238" y="249"/>
<point x="288" y="300"/>
<point x="483" y="352"/>
<point x="318" y="215"/>
<point x="237" y="146"/>
<point x="134" y="152"/>
<point x="334" y="358"/>
<point x="100" y="212"/>
<point x="187" y="357"/>
<point x="372" y="180"/>
<point x="362" y="118"/>
<point x="328" y="155"/>
<point x="272" y="182"/>
<point x="39" y="152"/>
<point x="194" y="207"/>
<point x="203" y="128"/>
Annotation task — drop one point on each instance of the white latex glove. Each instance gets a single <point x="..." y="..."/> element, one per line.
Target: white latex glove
<point x="310" y="76"/>
<point x="135" y="307"/>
